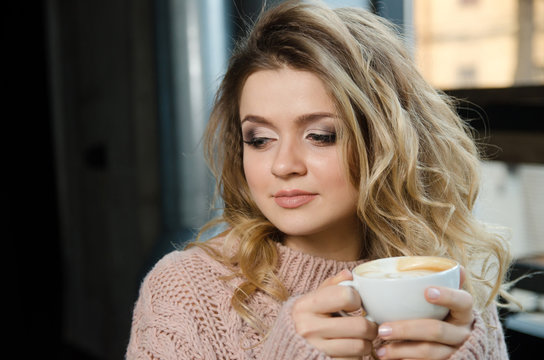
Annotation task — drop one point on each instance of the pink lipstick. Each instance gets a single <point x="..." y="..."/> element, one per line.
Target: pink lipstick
<point x="292" y="199"/>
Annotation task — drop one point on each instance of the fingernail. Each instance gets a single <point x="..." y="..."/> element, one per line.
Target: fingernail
<point x="433" y="293"/>
<point x="380" y="352"/>
<point x="385" y="330"/>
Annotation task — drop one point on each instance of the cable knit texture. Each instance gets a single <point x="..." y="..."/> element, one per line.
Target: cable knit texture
<point x="183" y="312"/>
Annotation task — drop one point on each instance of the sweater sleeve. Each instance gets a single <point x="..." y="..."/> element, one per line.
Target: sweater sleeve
<point x="283" y="342"/>
<point x="486" y="340"/>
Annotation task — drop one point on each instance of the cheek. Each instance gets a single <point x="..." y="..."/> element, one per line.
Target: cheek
<point x="252" y="171"/>
<point x="328" y="169"/>
<point x="335" y="178"/>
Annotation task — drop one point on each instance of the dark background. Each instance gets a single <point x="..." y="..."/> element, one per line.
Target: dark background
<point x="32" y="211"/>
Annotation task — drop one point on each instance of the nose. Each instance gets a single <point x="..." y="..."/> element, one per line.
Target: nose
<point x="289" y="159"/>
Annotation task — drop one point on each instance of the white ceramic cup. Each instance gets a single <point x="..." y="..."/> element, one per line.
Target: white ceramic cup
<point x="398" y="295"/>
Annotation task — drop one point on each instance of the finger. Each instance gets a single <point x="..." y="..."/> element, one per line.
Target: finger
<point x="328" y="300"/>
<point x="343" y="347"/>
<point x="424" y="330"/>
<point x="459" y="302"/>
<point x="338" y="278"/>
<point x="355" y="327"/>
<point x="462" y="276"/>
<point x="414" y="350"/>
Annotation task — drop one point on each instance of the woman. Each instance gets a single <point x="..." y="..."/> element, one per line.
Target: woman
<point x="329" y="150"/>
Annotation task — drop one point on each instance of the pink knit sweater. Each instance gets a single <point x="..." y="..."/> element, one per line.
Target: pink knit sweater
<point x="184" y="312"/>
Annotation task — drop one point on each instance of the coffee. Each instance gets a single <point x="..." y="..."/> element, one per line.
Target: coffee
<point x="394" y="275"/>
<point x="426" y="263"/>
<point x="405" y="267"/>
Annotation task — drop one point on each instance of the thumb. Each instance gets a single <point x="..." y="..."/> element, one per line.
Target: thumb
<point x="336" y="279"/>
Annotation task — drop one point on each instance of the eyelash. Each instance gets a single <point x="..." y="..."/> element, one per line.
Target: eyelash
<point x="319" y="139"/>
<point x="257" y="142"/>
<point x="323" y="139"/>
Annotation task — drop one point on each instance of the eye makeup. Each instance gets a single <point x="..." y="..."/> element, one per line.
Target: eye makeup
<point x="322" y="139"/>
<point x="317" y="129"/>
<point x="322" y="134"/>
<point x="257" y="137"/>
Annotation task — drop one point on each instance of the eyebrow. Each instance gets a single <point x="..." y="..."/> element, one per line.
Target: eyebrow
<point x="305" y="118"/>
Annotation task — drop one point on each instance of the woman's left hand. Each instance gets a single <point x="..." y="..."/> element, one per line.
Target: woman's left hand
<point x="427" y="338"/>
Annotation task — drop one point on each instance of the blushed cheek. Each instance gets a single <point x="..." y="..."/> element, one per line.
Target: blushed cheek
<point x="339" y="180"/>
<point x="336" y="173"/>
<point x="247" y="165"/>
<point x="252" y="173"/>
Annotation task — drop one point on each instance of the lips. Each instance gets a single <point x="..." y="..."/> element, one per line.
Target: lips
<point x="292" y="199"/>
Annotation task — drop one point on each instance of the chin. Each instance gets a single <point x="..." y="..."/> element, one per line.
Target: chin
<point x="298" y="230"/>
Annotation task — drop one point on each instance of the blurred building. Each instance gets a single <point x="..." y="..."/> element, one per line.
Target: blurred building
<point x="491" y="53"/>
<point x="480" y="43"/>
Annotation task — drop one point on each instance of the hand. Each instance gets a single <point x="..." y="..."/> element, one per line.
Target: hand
<point x="428" y="338"/>
<point x="336" y="336"/>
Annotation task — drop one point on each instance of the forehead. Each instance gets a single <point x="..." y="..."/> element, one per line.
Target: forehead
<point x="284" y="92"/>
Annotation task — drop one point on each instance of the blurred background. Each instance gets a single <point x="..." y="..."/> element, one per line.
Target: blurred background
<point x="106" y="102"/>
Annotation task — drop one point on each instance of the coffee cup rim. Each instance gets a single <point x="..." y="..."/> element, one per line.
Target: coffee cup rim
<point x="453" y="268"/>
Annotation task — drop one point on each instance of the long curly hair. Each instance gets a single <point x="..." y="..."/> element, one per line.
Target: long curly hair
<point x="413" y="160"/>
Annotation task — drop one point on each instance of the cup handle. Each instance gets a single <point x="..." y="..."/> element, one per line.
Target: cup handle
<point x="351" y="284"/>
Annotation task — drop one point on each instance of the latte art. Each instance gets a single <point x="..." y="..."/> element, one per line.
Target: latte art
<point x="395" y="275"/>
<point x="404" y="267"/>
<point x="431" y="263"/>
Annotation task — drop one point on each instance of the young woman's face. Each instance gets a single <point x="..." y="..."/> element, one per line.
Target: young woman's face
<point x="291" y="159"/>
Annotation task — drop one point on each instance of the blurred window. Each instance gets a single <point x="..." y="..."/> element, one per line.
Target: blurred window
<point x="480" y="43"/>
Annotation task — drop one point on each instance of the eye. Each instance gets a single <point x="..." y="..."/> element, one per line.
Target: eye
<point x="257" y="142"/>
<point x="322" y="139"/>
<point x="257" y="138"/>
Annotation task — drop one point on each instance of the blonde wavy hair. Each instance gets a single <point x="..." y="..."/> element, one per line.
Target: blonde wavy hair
<point x="412" y="158"/>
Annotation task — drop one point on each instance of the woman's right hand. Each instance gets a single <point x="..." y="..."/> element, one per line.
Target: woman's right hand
<point x="338" y="337"/>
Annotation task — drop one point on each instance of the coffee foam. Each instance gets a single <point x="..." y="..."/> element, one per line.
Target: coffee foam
<point x="429" y="263"/>
<point x="394" y="275"/>
<point x="404" y="267"/>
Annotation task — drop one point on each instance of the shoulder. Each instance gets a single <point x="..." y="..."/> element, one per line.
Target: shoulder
<point x="179" y="272"/>
<point x="176" y="306"/>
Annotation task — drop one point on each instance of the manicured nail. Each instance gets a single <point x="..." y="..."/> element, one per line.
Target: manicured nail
<point x="385" y="330"/>
<point x="380" y="352"/>
<point x="433" y="293"/>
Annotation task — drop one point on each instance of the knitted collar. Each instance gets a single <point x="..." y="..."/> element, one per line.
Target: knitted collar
<point x="301" y="272"/>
